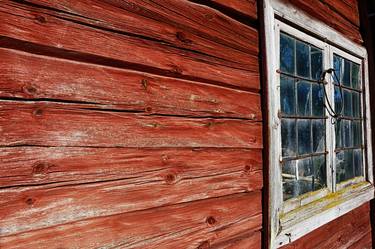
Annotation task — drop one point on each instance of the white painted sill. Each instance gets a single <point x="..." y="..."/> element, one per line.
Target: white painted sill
<point x="301" y="221"/>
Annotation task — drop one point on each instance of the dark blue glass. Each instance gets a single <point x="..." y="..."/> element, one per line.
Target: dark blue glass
<point x="304" y="98"/>
<point x="304" y="136"/>
<point x="287" y="53"/>
<point x="287" y="95"/>
<point x="317" y="100"/>
<point x="316" y="63"/>
<point x="303" y="59"/>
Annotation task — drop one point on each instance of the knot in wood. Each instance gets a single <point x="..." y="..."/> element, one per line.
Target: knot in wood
<point x="182" y="37"/>
<point x="204" y="245"/>
<point x="38" y="112"/>
<point x="170" y="178"/>
<point x="176" y="69"/>
<point x="144" y="83"/>
<point x="211" y="220"/>
<point x="148" y="109"/>
<point x="29" y="89"/>
<point x="40" y="19"/>
<point x="247" y="168"/>
<point x="40" y="168"/>
<point x="29" y="201"/>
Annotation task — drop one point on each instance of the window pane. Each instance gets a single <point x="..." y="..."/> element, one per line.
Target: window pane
<point x="348" y="107"/>
<point x="287" y="97"/>
<point x="316" y="63"/>
<point x="318" y="135"/>
<point x="344" y="166"/>
<point x="304" y="136"/>
<point x="355" y="76"/>
<point x="288" y="137"/>
<point x="320" y="172"/>
<point x="303" y="59"/>
<point x="317" y="100"/>
<point x="356" y="105"/>
<point x="290" y="186"/>
<point x="347" y="134"/>
<point x="287" y="51"/>
<point x="338" y="131"/>
<point x="357" y="134"/>
<point x="304" y="98"/>
<point x="346" y="74"/>
<point x="339" y="99"/>
<point x="337" y="64"/>
<point x="358" y="168"/>
<point x="305" y="174"/>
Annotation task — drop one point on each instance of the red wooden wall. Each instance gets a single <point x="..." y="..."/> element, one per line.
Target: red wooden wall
<point x="353" y="230"/>
<point x="129" y="124"/>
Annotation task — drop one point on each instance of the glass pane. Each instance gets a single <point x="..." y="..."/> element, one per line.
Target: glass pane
<point x="288" y="137"/>
<point x="317" y="100"/>
<point x="348" y="107"/>
<point x="304" y="98"/>
<point x="287" y="97"/>
<point x="338" y="129"/>
<point x="290" y="186"/>
<point x="337" y="64"/>
<point x="287" y="48"/>
<point x="304" y="136"/>
<point x="347" y="134"/>
<point x="357" y="134"/>
<point x="318" y="128"/>
<point x="355" y="76"/>
<point x="356" y="105"/>
<point x="320" y="172"/>
<point x="339" y="98"/>
<point x="346" y="74"/>
<point x="303" y="59"/>
<point x="358" y="167"/>
<point x="316" y="63"/>
<point x="305" y="175"/>
<point x="344" y="166"/>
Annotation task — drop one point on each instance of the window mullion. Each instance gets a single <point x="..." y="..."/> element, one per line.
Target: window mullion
<point x="330" y="129"/>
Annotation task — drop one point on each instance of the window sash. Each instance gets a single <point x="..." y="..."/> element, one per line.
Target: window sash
<point x="328" y="52"/>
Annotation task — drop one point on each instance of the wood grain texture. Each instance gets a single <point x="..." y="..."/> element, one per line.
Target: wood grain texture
<point x="244" y="7"/>
<point x="53" y="124"/>
<point x="169" y="25"/>
<point x="190" y="225"/>
<point x="324" y="13"/>
<point x="119" y="89"/>
<point x="343" y="232"/>
<point x="347" y="9"/>
<point x="27" y="166"/>
<point x="135" y="182"/>
<point x="30" y="24"/>
<point x="250" y="240"/>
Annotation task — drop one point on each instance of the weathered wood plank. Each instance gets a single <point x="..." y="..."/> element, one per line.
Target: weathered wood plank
<point x="322" y="12"/>
<point x="41" y="165"/>
<point x="250" y="240"/>
<point x="364" y="243"/>
<point x="31" y="25"/>
<point x="59" y="79"/>
<point x="340" y="233"/>
<point x="187" y="225"/>
<point x="245" y="7"/>
<point x="53" y="124"/>
<point x="346" y="9"/>
<point x="160" y="23"/>
<point x="131" y="185"/>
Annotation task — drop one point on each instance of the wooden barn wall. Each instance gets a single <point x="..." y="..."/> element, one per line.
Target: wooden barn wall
<point x="353" y="230"/>
<point x="130" y="124"/>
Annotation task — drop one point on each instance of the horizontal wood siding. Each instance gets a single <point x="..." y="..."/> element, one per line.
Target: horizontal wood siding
<point x="341" y="15"/>
<point x="130" y="124"/>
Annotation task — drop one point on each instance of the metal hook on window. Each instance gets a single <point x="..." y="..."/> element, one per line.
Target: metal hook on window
<point x="335" y="114"/>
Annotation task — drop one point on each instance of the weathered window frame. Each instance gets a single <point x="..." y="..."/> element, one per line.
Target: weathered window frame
<point x="292" y="221"/>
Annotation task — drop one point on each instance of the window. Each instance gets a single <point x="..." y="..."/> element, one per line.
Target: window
<point x="320" y="148"/>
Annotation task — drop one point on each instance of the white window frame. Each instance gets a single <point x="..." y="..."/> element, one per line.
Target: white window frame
<point x="287" y="222"/>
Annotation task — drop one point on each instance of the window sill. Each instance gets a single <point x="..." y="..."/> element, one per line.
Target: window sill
<point x="299" y="222"/>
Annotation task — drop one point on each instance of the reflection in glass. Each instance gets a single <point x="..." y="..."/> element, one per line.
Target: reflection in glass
<point x="338" y="132"/>
<point x="357" y="134"/>
<point x="356" y="105"/>
<point x="305" y="174"/>
<point x="317" y="100"/>
<point x="287" y="95"/>
<point x="355" y="76"/>
<point x="304" y="136"/>
<point x="303" y="59"/>
<point x="318" y="135"/>
<point x="348" y="104"/>
<point x="337" y="65"/>
<point x="347" y="134"/>
<point x="357" y="156"/>
<point x="320" y="172"/>
<point x="316" y="63"/>
<point x="304" y="98"/>
<point x="288" y="137"/>
<point x="339" y="99"/>
<point x="287" y="48"/>
<point x="346" y="74"/>
<point x="290" y="186"/>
